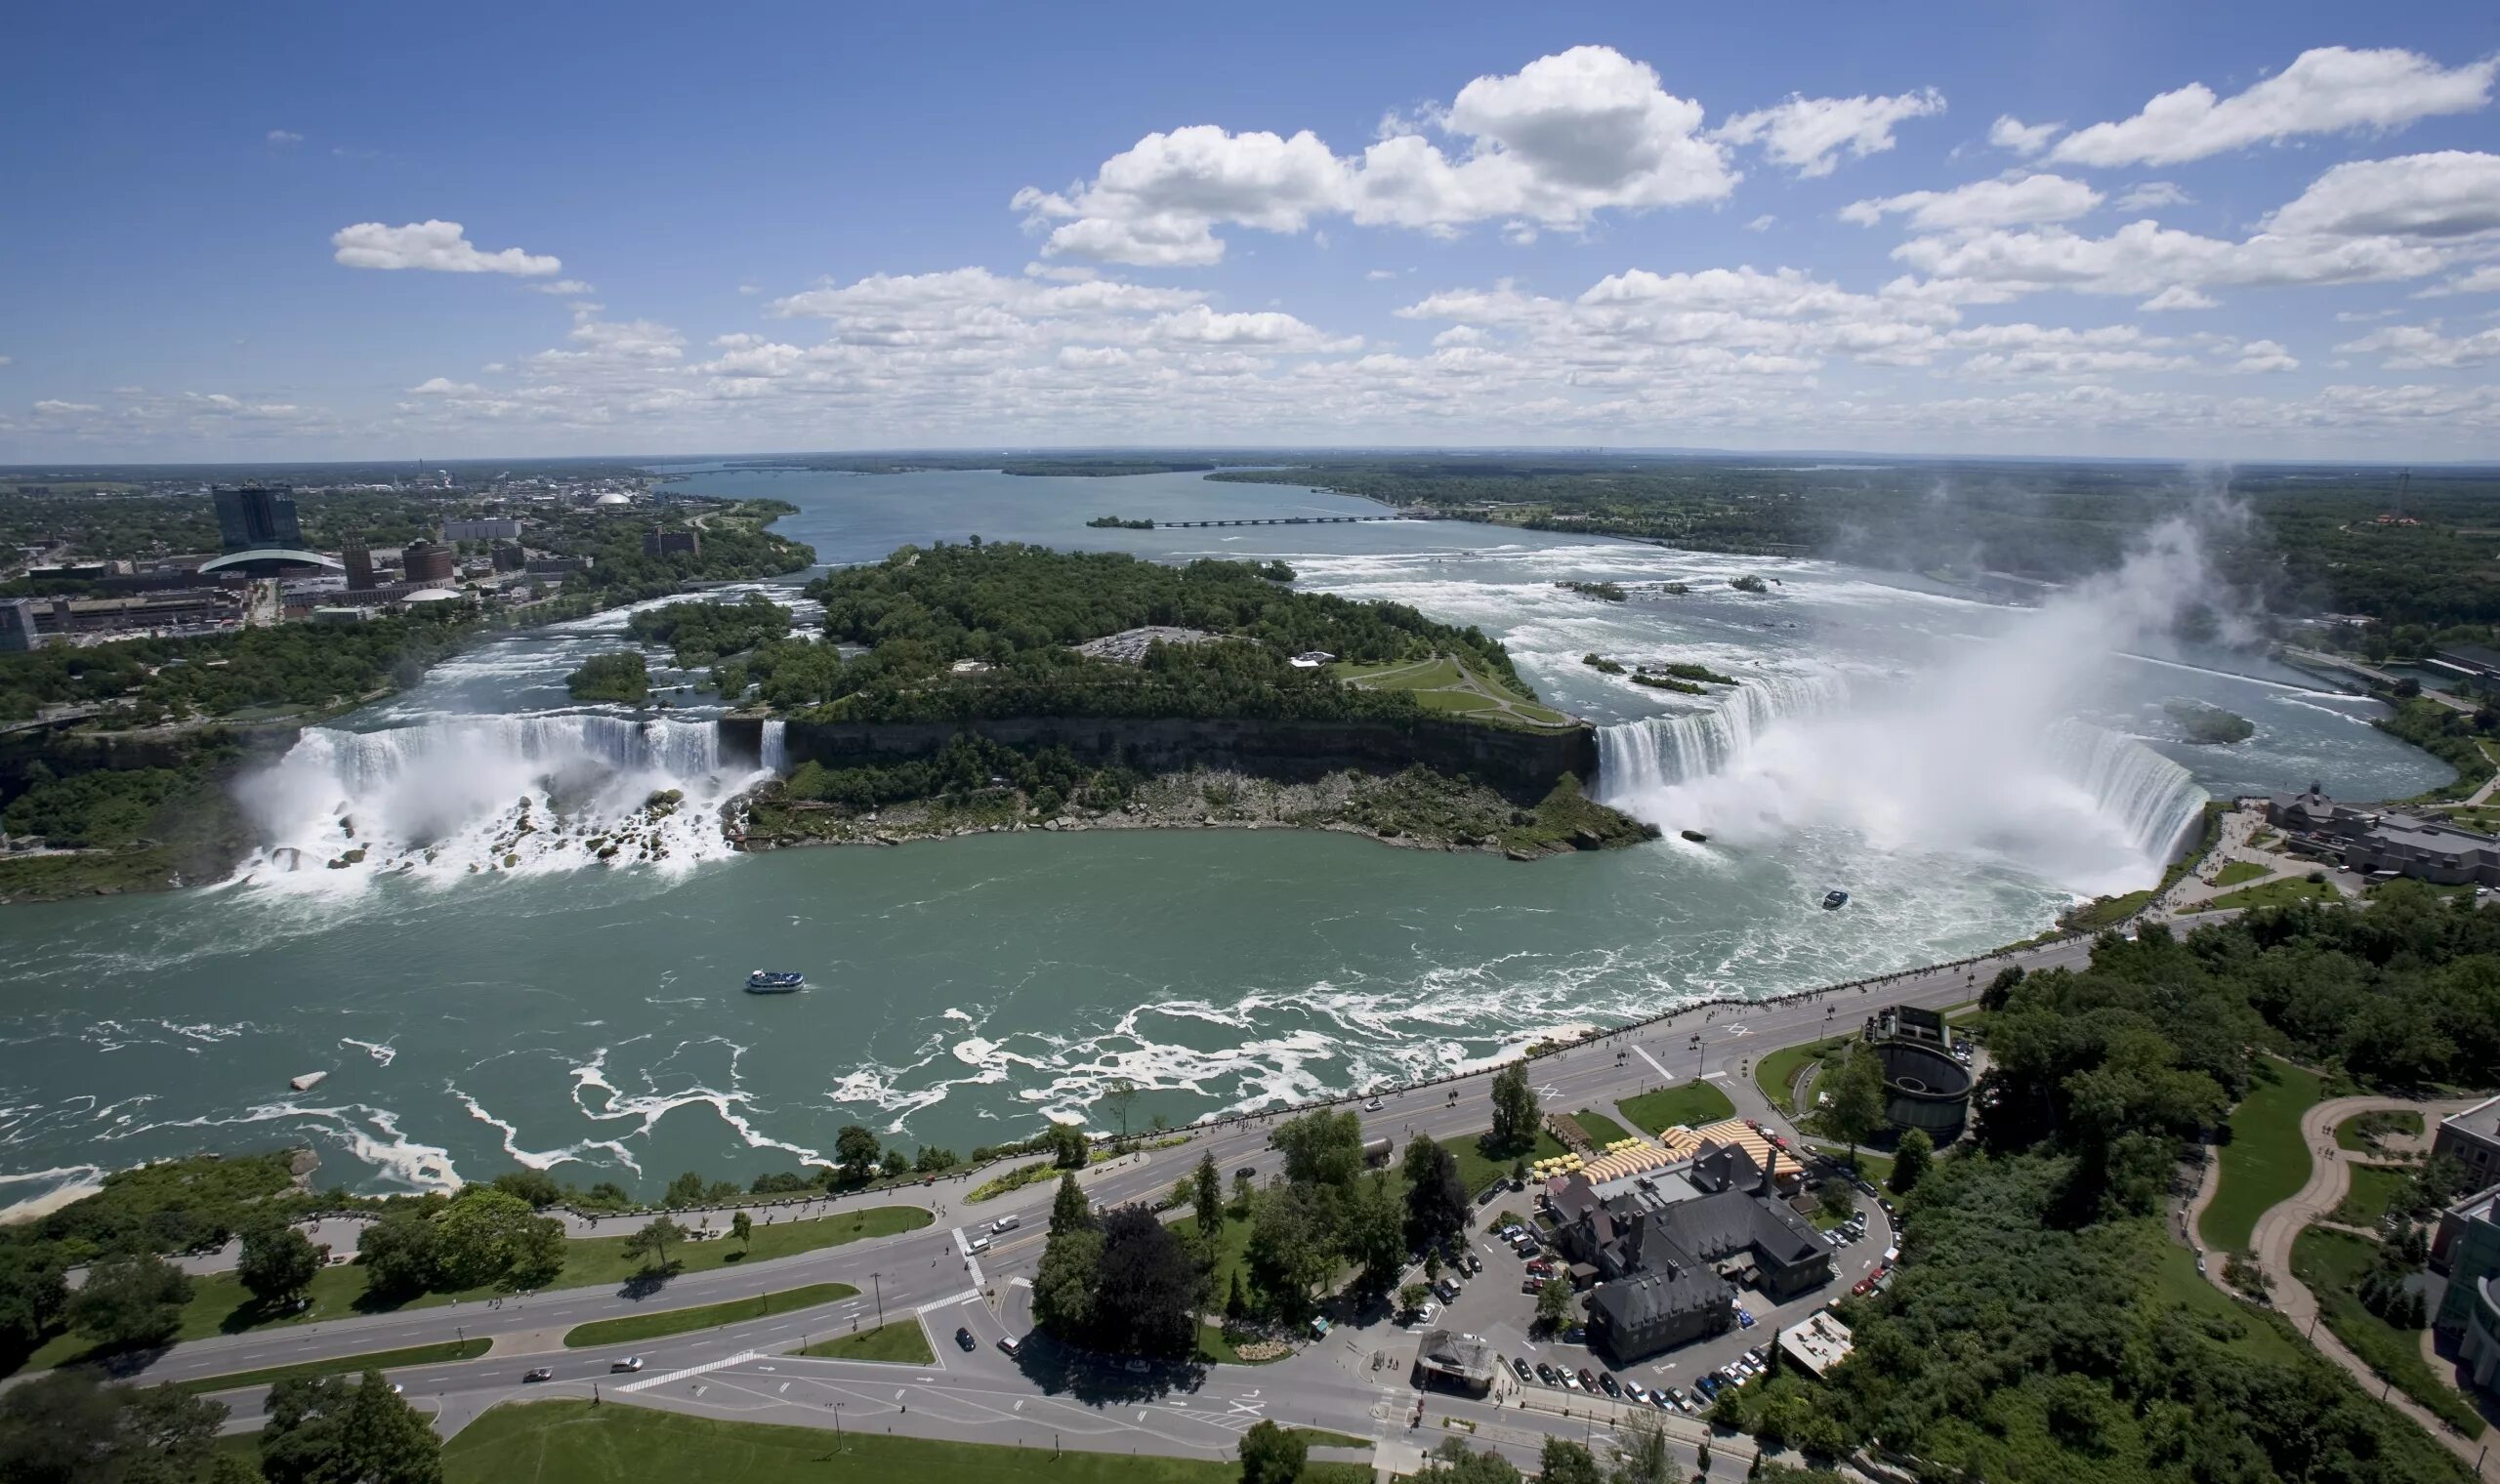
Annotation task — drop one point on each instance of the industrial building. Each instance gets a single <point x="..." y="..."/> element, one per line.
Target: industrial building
<point x="661" y="543"/>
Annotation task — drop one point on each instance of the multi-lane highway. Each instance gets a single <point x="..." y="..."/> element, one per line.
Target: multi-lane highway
<point x="1351" y="1383"/>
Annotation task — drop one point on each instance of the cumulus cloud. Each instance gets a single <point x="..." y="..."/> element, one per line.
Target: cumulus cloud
<point x="2025" y="140"/>
<point x="1202" y="326"/>
<point x="2418" y="348"/>
<point x="2019" y="201"/>
<point x="568" y="287"/>
<point x="1551" y="146"/>
<point x="2450" y="194"/>
<point x="2147" y="257"/>
<point x="1762" y="223"/>
<point x="2177" y="296"/>
<point x="2482" y="280"/>
<point x="53" y="407"/>
<point x="283" y="136"/>
<point x="441" y="247"/>
<point x="2327" y="89"/>
<point x="1807" y="134"/>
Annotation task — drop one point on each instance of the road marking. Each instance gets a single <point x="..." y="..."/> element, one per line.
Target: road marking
<point x="1653" y="1062"/>
<point x="1712" y="1076"/>
<point x="706" y="1369"/>
<point x="966" y="1296"/>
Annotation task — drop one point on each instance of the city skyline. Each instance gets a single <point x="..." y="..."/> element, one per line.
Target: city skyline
<point x="2242" y="234"/>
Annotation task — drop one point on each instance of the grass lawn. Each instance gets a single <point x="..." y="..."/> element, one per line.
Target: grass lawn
<point x="2374" y="1189"/>
<point x="903" y="1341"/>
<point x="632" y="1327"/>
<point x="574" y="1443"/>
<point x="2265" y="1161"/>
<point x="1774" y="1072"/>
<point x="1476" y="1172"/>
<point x="1692" y="1105"/>
<point x="346" y="1365"/>
<point x="2239" y="872"/>
<point x="1322" y="1437"/>
<point x="2275" y="893"/>
<point x="1213" y="1347"/>
<point x="2103" y="912"/>
<point x="2360" y="1133"/>
<point x="2329" y="1264"/>
<point x="2262" y="1336"/>
<point x="1601" y="1130"/>
<point x="1876" y="1167"/>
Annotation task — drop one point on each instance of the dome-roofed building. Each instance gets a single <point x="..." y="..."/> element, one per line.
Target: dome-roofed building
<point x="432" y="596"/>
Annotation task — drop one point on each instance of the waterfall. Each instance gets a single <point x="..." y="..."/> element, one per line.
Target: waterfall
<point x="776" y="748"/>
<point x="2153" y="800"/>
<point x="477" y="794"/>
<point x="1904" y="766"/>
<point x="1635" y="758"/>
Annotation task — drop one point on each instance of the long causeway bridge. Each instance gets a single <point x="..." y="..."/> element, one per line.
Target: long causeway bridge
<point x="1181" y="526"/>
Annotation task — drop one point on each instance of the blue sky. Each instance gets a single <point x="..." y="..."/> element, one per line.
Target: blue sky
<point x="316" y="232"/>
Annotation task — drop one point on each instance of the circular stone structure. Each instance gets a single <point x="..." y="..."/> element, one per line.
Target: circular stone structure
<point x="1924" y="1088"/>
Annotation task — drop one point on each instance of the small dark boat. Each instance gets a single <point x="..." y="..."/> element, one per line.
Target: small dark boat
<point x="1695" y="836"/>
<point x="765" y="981"/>
<point x="1835" y="900"/>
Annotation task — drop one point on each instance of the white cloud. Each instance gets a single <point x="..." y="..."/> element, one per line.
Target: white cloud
<point x="2450" y="194"/>
<point x="564" y="286"/>
<point x="50" y="407"/>
<point x="2177" y="296"/>
<point x="2482" y="280"/>
<point x="2415" y="348"/>
<point x="1808" y="134"/>
<point x="2019" y="201"/>
<point x="2328" y="90"/>
<point x="2147" y="257"/>
<point x="1382" y="276"/>
<point x="2262" y="356"/>
<point x="442" y="385"/>
<point x="1199" y="326"/>
<point x="440" y="247"/>
<point x="1565" y="137"/>
<point x="2152" y="196"/>
<point x="2025" y="140"/>
<point x="6" y="361"/>
<point x="284" y="136"/>
<point x="1762" y="223"/>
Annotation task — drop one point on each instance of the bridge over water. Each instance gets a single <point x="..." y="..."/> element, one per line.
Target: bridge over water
<point x="1181" y="526"/>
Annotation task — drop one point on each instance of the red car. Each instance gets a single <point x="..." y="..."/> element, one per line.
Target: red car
<point x="1863" y="1285"/>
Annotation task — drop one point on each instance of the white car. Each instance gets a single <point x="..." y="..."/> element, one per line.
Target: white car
<point x="1374" y="1105"/>
<point x="629" y="1362"/>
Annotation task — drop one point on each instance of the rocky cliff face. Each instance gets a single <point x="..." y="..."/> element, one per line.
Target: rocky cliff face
<point x="1518" y="761"/>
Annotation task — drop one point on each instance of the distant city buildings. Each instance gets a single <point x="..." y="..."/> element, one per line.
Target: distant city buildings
<point x="18" y="626"/>
<point x="2387" y="843"/>
<point x="256" y="517"/>
<point x="2472" y="1139"/>
<point x="492" y="528"/>
<point x="425" y="561"/>
<point x="2465" y="1260"/>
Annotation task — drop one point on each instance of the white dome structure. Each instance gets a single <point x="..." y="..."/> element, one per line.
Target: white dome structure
<point x="611" y="499"/>
<point x="432" y="594"/>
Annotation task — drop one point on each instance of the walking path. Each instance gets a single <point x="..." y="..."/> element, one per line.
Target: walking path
<point x="2329" y="1177"/>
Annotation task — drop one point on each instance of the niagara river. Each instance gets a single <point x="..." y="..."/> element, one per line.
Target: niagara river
<point x="519" y="959"/>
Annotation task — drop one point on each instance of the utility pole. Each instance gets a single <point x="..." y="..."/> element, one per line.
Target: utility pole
<point x="879" y="1279"/>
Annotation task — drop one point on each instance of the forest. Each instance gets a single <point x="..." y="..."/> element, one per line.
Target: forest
<point x="2031" y="1332"/>
<point x="1015" y="610"/>
<point x="701" y="633"/>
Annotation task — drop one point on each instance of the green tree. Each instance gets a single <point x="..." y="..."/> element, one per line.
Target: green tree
<point x="278" y="1263"/>
<point x="130" y="1301"/>
<point x="72" y="1426"/>
<point x="1411" y="1297"/>
<point x="1640" y="1454"/>
<point x="854" y="1152"/>
<point x="1149" y="1286"/>
<point x="399" y="1255"/>
<point x="1069" y="1148"/>
<point x="320" y="1431"/>
<point x="1564" y="1461"/>
<point x="1910" y="1159"/>
<point x="1852" y="1109"/>
<point x="481" y="1236"/>
<point x="1554" y="1304"/>
<point x="538" y="1254"/>
<point x="1070" y="1210"/>
<point x="1322" y="1148"/>
<point x="932" y="1160"/>
<point x="1371" y="1233"/>
<point x="1435" y="1197"/>
<point x="1452" y="1462"/>
<point x="1206" y="1197"/>
<point x="1514" y="1112"/>
<point x="1272" y="1455"/>
<point x="1063" y="1285"/>
<point x="897" y="1164"/>
<point x="34" y="1291"/>
<point x="652" y="1243"/>
<point x="1120" y="1098"/>
<point x="742" y="1227"/>
<point x="1293" y="1248"/>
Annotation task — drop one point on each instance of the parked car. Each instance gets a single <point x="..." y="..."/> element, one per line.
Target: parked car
<point x="1745" y="1317"/>
<point x="1531" y="1283"/>
<point x="1009" y="1344"/>
<point x="1708" y="1387"/>
<point x="1607" y="1384"/>
<point x="1681" y="1401"/>
<point x="1447" y="1288"/>
<point x="1135" y="1365"/>
<point x="1471" y="1262"/>
<point x="964" y="1338"/>
<point x="1863" y="1285"/>
<point x="1547" y="1374"/>
<point x="543" y="1373"/>
<point x="629" y="1362"/>
<point x="1521" y="1367"/>
<point x="1577" y="1334"/>
<point x="1588" y="1380"/>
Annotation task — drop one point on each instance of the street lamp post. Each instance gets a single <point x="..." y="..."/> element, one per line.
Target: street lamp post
<point x="879" y="1279"/>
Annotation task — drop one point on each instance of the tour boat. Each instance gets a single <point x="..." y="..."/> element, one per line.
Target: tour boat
<point x="1834" y="900"/>
<point x="765" y="981"/>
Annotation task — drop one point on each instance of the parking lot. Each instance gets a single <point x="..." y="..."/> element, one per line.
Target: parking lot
<point x="1496" y="1304"/>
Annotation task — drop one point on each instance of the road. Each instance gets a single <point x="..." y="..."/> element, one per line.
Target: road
<point x="1356" y="1383"/>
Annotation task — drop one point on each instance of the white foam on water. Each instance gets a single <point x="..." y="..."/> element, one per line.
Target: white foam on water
<point x="382" y="1052"/>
